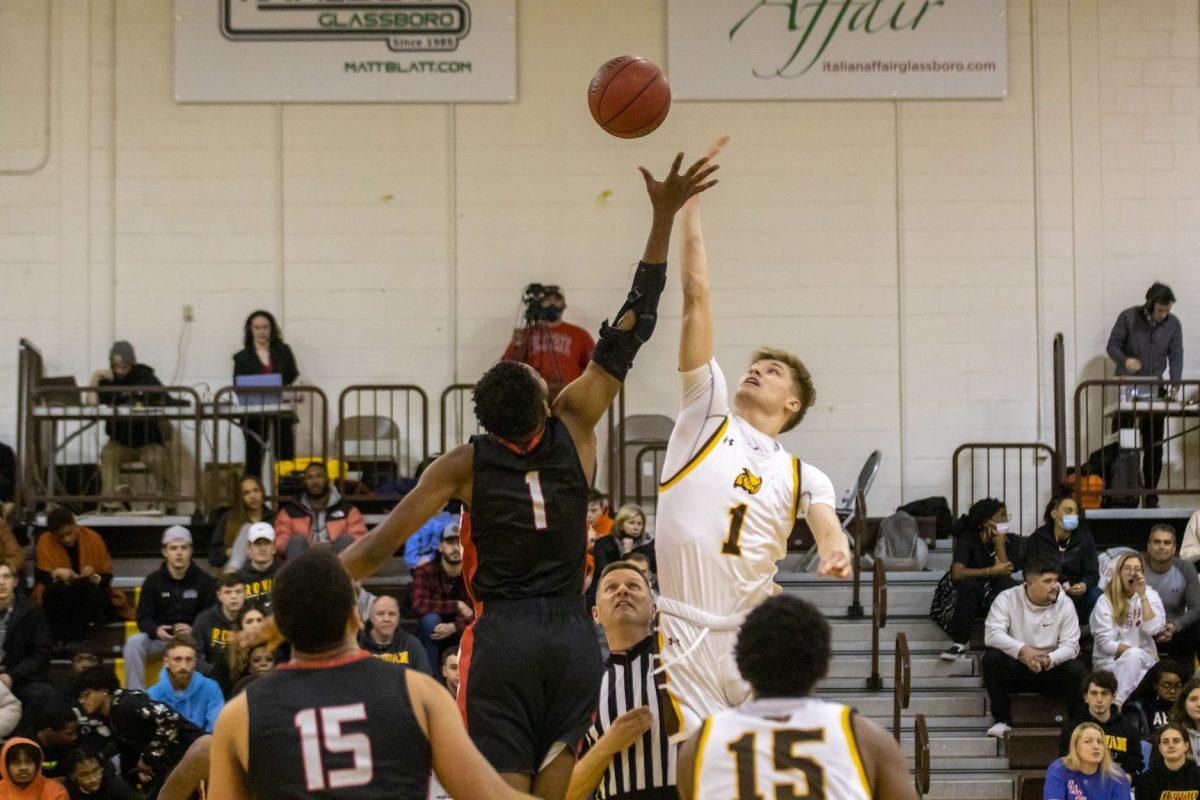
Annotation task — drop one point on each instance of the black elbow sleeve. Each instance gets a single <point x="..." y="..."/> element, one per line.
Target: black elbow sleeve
<point x="615" y="349"/>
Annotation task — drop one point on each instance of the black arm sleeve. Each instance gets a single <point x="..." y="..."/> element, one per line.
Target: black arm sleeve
<point x="615" y="349"/>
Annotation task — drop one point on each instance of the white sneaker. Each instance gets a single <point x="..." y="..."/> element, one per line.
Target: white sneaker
<point x="954" y="652"/>
<point x="1000" y="730"/>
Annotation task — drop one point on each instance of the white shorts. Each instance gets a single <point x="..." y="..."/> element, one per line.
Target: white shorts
<point x="702" y="678"/>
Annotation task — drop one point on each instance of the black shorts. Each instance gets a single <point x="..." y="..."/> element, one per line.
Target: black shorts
<point x="530" y="672"/>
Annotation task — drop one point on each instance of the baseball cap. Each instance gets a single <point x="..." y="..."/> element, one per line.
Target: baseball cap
<point x="261" y="530"/>
<point x="176" y="533"/>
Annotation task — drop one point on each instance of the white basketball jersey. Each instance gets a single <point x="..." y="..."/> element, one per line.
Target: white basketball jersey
<point x="785" y="747"/>
<point x="724" y="519"/>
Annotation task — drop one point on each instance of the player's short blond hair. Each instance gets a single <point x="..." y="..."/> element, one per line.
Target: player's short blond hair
<point x="801" y="378"/>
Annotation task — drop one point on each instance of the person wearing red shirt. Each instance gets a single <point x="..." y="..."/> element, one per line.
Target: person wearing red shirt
<point x="558" y="350"/>
<point x="439" y="596"/>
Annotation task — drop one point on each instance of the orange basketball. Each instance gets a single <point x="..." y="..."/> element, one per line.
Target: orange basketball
<point x="629" y="97"/>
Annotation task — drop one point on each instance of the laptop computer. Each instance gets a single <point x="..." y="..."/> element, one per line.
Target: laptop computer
<point x="274" y="380"/>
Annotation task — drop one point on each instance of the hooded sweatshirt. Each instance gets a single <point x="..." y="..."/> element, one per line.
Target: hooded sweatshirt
<point x="39" y="789"/>
<point x="1162" y="783"/>
<point x="199" y="703"/>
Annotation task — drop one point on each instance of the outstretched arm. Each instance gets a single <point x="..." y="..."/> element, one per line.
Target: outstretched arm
<point x="582" y="404"/>
<point x="696" y="340"/>
<point x="446" y="478"/>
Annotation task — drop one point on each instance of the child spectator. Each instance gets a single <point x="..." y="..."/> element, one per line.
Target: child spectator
<point x="1087" y="772"/>
<point x="21" y="769"/>
<point x="88" y="778"/>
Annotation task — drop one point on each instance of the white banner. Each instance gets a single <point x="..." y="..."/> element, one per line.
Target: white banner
<point x="345" y="50"/>
<point x="831" y="49"/>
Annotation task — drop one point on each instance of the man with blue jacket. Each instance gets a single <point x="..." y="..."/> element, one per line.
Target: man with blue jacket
<point x="197" y="699"/>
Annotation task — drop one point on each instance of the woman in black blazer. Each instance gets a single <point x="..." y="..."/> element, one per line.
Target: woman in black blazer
<point x="265" y="353"/>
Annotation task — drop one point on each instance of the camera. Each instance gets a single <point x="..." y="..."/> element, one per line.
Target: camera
<point x="532" y="298"/>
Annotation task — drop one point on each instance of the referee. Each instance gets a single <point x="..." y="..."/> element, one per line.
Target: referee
<point x="627" y="755"/>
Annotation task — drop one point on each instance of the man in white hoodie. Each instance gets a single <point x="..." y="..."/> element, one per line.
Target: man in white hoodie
<point x="1032" y="637"/>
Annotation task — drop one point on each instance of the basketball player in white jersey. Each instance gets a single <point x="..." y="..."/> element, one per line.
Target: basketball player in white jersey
<point x="783" y="738"/>
<point x="729" y="497"/>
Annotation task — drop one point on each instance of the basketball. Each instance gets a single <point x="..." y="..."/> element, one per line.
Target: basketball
<point x="629" y="97"/>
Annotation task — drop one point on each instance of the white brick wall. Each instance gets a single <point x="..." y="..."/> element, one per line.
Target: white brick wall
<point x="919" y="257"/>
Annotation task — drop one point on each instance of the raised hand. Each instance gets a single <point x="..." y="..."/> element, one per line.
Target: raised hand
<point x="668" y="195"/>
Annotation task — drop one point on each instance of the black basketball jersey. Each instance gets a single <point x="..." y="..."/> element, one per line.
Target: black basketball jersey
<point x="527" y="535"/>
<point x="341" y="731"/>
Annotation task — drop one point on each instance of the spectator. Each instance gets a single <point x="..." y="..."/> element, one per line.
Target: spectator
<point x="317" y="515"/>
<point x="89" y="778"/>
<point x="383" y="638"/>
<point x="24" y="634"/>
<point x="1146" y="339"/>
<point x="1087" y="772"/>
<point x="51" y="722"/>
<point x="10" y="711"/>
<point x="629" y="535"/>
<point x="980" y="569"/>
<point x="1032" y="638"/>
<point x="258" y="573"/>
<point x="154" y="740"/>
<point x="73" y="573"/>
<point x="262" y="661"/>
<point x="248" y="631"/>
<point x="21" y="769"/>
<point x="1190" y="547"/>
<point x="598" y="518"/>
<point x="198" y="699"/>
<point x="265" y="353"/>
<point x="439" y="597"/>
<point x="1172" y="776"/>
<point x="422" y="546"/>
<point x="171" y="599"/>
<point x="11" y="551"/>
<point x="1124" y="623"/>
<point x="1064" y="537"/>
<point x="213" y="625"/>
<point x="450" y="671"/>
<point x="1121" y="733"/>
<point x="1186" y="714"/>
<point x="631" y="726"/>
<point x="229" y="534"/>
<point x="129" y="440"/>
<point x="81" y="655"/>
<point x="1153" y="710"/>
<point x="1178" y="586"/>
<point x="558" y="350"/>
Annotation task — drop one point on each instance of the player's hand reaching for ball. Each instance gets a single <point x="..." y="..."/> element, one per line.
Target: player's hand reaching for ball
<point x="835" y="564"/>
<point x="668" y="195"/>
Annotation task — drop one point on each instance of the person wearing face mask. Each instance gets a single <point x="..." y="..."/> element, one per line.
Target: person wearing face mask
<point x="558" y="350"/>
<point x="1065" y="538"/>
<point x="1173" y="776"/>
<point x="1124" y="623"/>
<point x="1177" y="584"/>
<point x="1144" y="340"/>
<point x="980" y="569"/>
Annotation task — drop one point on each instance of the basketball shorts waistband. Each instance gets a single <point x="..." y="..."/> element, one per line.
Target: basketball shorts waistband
<point x="698" y="616"/>
<point x="535" y="605"/>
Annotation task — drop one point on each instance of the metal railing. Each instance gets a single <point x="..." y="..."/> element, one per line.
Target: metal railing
<point x="30" y="371"/>
<point x="381" y="437"/>
<point x="855" y="611"/>
<point x="1059" y="359"/>
<point x="124" y="448"/>
<point x="902" y="688"/>
<point x="1128" y="429"/>
<point x="289" y="424"/>
<point x="879" y="614"/>
<point x="453" y="409"/>
<point x="1002" y="470"/>
<point x="921" y="755"/>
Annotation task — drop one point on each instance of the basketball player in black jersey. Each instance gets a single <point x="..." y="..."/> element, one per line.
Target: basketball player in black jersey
<point x="335" y="722"/>
<point x="530" y="663"/>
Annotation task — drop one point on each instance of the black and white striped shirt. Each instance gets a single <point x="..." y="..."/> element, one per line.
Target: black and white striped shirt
<point x="646" y="771"/>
